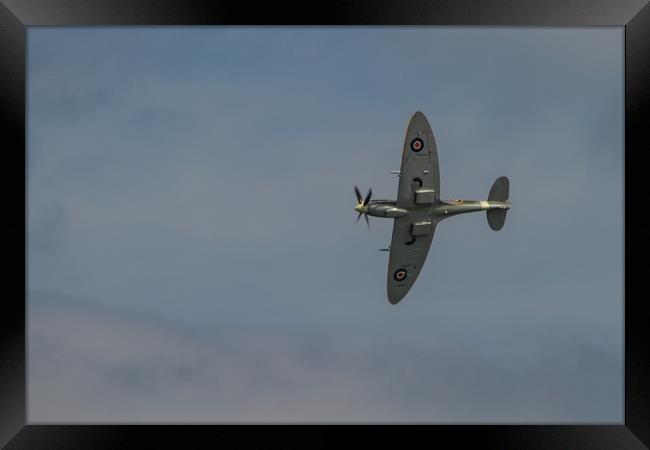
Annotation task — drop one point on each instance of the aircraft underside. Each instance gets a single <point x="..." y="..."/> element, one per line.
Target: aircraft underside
<point x="418" y="207"/>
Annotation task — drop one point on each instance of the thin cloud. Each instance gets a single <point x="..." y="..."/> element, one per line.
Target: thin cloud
<point x="97" y="365"/>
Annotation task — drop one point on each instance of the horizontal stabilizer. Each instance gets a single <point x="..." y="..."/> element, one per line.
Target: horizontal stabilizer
<point x="496" y="218"/>
<point x="500" y="192"/>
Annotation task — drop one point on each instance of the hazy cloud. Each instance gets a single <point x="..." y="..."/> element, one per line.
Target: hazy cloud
<point x="89" y="364"/>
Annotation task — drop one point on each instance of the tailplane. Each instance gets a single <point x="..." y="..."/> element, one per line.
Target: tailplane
<point x="500" y="192"/>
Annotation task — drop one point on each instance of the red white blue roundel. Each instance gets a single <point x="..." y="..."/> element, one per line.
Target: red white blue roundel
<point x="417" y="144"/>
<point x="399" y="275"/>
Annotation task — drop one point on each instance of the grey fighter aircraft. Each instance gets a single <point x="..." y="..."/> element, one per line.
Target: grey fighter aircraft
<point x="419" y="208"/>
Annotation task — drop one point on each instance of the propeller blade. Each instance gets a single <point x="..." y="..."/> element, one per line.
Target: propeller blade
<point x="367" y="199"/>
<point x="356" y="191"/>
<point x="365" y="216"/>
<point x="358" y="217"/>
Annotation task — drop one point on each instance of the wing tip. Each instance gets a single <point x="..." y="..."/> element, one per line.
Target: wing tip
<point x="418" y="117"/>
<point x="395" y="299"/>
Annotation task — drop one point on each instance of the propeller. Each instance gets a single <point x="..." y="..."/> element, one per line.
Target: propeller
<point x="362" y="205"/>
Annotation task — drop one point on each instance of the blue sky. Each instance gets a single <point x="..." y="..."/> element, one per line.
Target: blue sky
<point x="191" y="188"/>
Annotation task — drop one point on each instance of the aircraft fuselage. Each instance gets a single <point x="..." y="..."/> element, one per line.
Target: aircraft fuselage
<point x="440" y="210"/>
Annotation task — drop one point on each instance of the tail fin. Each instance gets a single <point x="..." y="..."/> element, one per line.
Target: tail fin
<point x="500" y="192"/>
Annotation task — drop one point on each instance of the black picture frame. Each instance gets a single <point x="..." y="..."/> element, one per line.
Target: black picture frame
<point x="17" y="15"/>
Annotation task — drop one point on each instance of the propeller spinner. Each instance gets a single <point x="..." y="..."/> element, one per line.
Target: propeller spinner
<point x="362" y="205"/>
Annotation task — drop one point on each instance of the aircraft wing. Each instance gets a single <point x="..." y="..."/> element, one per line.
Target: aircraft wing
<point x="409" y="247"/>
<point x="419" y="168"/>
<point x="412" y="234"/>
